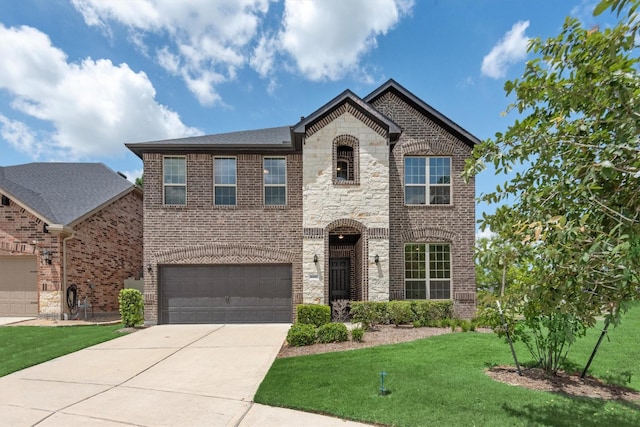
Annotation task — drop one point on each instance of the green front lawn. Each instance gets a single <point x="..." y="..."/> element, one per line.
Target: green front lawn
<point x="24" y="346"/>
<point x="440" y="381"/>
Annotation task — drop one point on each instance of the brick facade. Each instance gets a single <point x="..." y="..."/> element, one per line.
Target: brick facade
<point x="454" y="224"/>
<point x="203" y="233"/>
<point x="106" y="249"/>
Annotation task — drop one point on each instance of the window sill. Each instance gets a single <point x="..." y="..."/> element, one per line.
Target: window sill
<point x="345" y="183"/>
<point x="429" y="206"/>
<point x="275" y="207"/>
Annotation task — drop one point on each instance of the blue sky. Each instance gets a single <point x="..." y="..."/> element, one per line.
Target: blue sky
<point x="80" y="78"/>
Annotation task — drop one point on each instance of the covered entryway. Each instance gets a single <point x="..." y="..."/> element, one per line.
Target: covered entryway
<point x="18" y="286"/>
<point x="247" y="293"/>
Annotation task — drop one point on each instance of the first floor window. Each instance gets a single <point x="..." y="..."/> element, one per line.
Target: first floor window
<point x="427" y="180"/>
<point x="174" y="172"/>
<point x="275" y="181"/>
<point x="427" y="271"/>
<point x="224" y="170"/>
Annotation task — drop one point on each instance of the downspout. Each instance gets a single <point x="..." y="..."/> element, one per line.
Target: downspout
<point x="60" y="230"/>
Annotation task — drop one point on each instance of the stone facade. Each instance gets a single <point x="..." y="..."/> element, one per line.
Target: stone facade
<point x="104" y="250"/>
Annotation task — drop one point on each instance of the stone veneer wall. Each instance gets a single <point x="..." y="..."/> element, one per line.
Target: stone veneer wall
<point x="200" y="232"/>
<point x="454" y="224"/>
<point x="366" y="201"/>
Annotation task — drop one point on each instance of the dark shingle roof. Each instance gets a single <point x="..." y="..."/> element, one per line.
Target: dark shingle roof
<point x="278" y="137"/>
<point x="62" y="192"/>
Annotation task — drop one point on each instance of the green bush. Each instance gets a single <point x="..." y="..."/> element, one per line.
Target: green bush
<point x="131" y="307"/>
<point x="314" y="314"/>
<point x="301" y="334"/>
<point x="332" y="332"/>
<point x="357" y="334"/>
<point x="400" y="312"/>
<point x="369" y="313"/>
<point x="430" y="313"/>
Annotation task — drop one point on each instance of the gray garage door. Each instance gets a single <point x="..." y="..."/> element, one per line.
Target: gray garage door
<point x="18" y="286"/>
<point x="225" y="293"/>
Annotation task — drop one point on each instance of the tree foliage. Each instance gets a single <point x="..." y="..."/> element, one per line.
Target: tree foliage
<point x="576" y="204"/>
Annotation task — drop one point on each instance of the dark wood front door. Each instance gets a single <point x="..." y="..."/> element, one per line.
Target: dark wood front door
<point x="339" y="279"/>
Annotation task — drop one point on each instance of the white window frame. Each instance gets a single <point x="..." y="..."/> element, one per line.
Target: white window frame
<point x="428" y="279"/>
<point x="235" y="179"/>
<point x="165" y="185"/>
<point x="264" y="182"/>
<point x="427" y="186"/>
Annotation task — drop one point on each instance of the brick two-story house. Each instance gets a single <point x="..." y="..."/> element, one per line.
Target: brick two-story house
<point x="361" y="200"/>
<point x="66" y="226"/>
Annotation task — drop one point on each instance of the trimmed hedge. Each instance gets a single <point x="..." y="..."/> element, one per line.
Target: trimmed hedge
<point x="332" y="332"/>
<point x="313" y="314"/>
<point x="301" y="334"/>
<point x="417" y="312"/>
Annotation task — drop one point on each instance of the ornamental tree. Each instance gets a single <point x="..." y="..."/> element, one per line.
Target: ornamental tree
<point x="576" y="201"/>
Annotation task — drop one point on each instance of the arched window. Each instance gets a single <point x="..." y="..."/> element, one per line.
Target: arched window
<point x="345" y="160"/>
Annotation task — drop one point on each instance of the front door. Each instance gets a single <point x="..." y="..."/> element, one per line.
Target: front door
<point x="339" y="279"/>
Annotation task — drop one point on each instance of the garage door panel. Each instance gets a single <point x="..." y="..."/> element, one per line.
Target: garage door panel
<point x="225" y="293"/>
<point x="18" y="286"/>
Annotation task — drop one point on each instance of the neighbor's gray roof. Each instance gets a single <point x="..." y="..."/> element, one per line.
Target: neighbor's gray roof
<point x="62" y="192"/>
<point x="278" y="137"/>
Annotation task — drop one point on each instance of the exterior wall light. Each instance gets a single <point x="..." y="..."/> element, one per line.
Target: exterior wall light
<point x="376" y="259"/>
<point x="315" y="259"/>
<point x="46" y="256"/>
<point x="149" y="268"/>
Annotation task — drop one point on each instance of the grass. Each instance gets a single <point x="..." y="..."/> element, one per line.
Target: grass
<point x="24" y="346"/>
<point x="440" y="381"/>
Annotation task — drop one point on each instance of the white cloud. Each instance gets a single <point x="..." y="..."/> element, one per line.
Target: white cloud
<point x="509" y="50"/>
<point x="133" y="174"/>
<point x="486" y="233"/>
<point x="207" y="40"/>
<point x="94" y="106"/>
<point x="328" y="39"/>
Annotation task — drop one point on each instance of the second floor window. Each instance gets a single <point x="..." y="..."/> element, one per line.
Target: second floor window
<point x="224" y="170"/>
<point x="427" y="180"/>
<point x="344" y="163"/>
<point x="174" y="172"/>
<point x="275" y="181"/>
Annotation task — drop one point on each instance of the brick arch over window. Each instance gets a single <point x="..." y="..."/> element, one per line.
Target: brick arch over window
<point x="426" y="148"/>
<point x="224" y="254"/>
<point x="428" y="234"/>
<point x="353" y="143"/>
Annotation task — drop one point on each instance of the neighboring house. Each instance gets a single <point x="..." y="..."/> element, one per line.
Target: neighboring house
<point x="360" y="200"/>
<point x="64" y="224"/>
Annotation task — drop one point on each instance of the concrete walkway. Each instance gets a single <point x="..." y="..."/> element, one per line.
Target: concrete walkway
<point x="170" y="375"/>
<point x="10" y="320"/>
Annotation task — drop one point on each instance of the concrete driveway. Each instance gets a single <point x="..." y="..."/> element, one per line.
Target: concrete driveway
<point x="169" y="375"/>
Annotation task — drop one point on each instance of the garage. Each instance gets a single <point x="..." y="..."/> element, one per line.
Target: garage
<point x="247" y="293"/>
<point x="18" y="286"/>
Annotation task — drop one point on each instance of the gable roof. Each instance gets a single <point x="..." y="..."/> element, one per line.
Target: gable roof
<point x="426" y="109"/>
<point x="348" y="97"/>
<point x="260" y="139"/>
<point x="62" y="193"/>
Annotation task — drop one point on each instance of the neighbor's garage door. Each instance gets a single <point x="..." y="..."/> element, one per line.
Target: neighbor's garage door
<point x="225" y="294"/>
<point x="18" y="286"/>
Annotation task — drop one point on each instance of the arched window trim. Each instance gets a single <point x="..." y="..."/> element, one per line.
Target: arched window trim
<point x="353" y="176"/>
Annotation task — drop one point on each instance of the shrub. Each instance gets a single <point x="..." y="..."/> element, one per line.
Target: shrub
<point x="357" y="334"/>
<point x="301" y="334"/>
<point x="369" y="313"/>
<point x="430" y="313"/>
<point x="332" y="332"/>
<point x="399" y="312"/>
<point x="314" y="314"/>
<point x="131" y="307"/>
